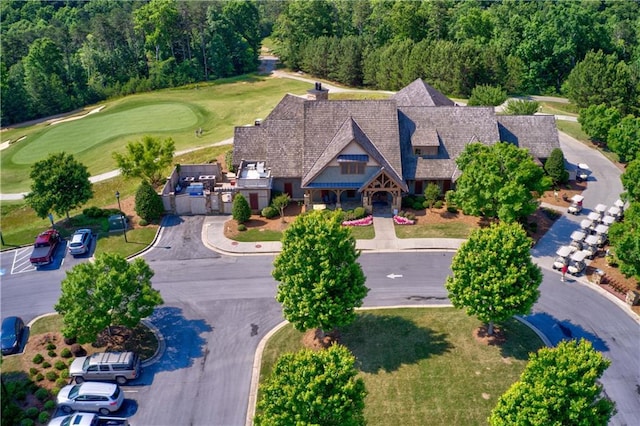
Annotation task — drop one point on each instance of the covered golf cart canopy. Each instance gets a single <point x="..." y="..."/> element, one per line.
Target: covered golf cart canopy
<point x="592" y="240"/>
<point x="594" y="216"/>
<point x="578" y="235"/>
<point x="579" y="256"/>
<point x="602" y="229"/>
<point x="565" y="251"/>
<point x="586" y="223"/>
<point x="600" y="208"/>
<point x="608" y="220"/>
<point x="577" y="198"/>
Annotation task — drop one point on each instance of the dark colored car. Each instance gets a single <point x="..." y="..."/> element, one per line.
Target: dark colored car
<point x="11" y="332"/>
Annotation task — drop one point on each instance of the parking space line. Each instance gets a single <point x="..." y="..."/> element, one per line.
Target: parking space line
<point x="21" y="261"/>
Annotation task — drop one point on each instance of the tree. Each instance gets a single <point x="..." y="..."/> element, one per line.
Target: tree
<point x="60" y="184"/>
<point x="148" y="203"/>
<point x="521" y="107"/>
<point x="281" y="202"/>
<point x="597" y="120"/>
<point x="554" y="166"/>
<point x="624" y="139"/>
<point x="313" y="387"/>
<point x="485" y="95"/>
<point x="559" y="386"/>
<point x="625" y="239"/>
<point x="493" y="275"/>
<point x="431" y="194"/>
<point x="500" y="181"/>
<point x="240" y="210"/>
<point x="109" y="291"/>
<point x="321" y="281"/>
<point x="631" y="180"/>
<point x="146" y="159"/>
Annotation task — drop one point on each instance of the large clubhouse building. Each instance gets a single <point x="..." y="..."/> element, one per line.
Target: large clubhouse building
<point x="371" y="151"/>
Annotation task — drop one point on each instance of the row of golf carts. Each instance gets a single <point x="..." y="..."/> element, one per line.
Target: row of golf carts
<point x="592" y="236"/>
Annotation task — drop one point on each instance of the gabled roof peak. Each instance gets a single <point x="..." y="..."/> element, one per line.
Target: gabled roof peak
<point x="419" y="93"/>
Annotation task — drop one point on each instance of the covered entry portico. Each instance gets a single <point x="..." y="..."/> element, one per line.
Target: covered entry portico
<point x="348" y="194"/>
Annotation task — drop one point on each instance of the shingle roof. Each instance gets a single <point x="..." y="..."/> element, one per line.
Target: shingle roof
<point x="537" y="133"/>
<point x="419" y="93"/>
<point x="376" y="119"/>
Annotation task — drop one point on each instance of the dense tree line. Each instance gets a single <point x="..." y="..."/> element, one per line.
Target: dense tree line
<point x="61" y="55"/>
<point x="522" y="46"/>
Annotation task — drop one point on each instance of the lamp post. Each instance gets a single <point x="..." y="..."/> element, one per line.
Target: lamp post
<point x="124" y="224"/>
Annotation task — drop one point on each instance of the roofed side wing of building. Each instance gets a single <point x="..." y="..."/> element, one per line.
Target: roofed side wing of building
<point x="289" y="108"/>
<point x="537" y="133"/>
<point x="419" y="93"/>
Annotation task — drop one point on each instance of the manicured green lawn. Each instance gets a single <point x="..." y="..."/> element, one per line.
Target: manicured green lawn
<point x="176" y="113"/>
<point x="424" y="366"/>
<point x="137" y="239"/>
<point x="257" y="235"/>
<point x="434" y="230"/>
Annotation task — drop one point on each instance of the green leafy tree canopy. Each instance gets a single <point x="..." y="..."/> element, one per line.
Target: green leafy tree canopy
<point x="597" y="120"/>
<point x="493" y="275"/>
<point x="485" y="95"/>
<point x="320" y="280"/>
<point x="625" y="239"/>
<point x="624" y="138"/>
<point x="146" y="159"/>
<point x="313" y="388"/>
<point x="431" y="194"/>
<point x="521" y="107"/>
<point x="109" y="291"/>
<point x="281" y="202"/>
<point x="241" y="211"/>
<point x="148" y="203"/>
<point x="60" y="183"/>
<point x="558" y="387"/>
<point x="554" y="167"/>
<point x="631" y="180"/>
<point x="499" y="181"/>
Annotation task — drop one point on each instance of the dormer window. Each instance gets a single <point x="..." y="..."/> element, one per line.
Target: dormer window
<point x="353" y="164"/>
<point x="418" y="151"/>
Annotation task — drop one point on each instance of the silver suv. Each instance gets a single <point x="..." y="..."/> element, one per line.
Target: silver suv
<point x="104" y="398"/>
<point x="118" y="366"/>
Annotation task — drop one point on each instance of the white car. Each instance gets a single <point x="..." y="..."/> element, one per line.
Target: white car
<point x="104" y="398"/>
<point x="80" y="242"/>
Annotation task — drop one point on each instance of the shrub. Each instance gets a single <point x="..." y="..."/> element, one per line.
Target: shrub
<point x="242" y="227"/>
<point x="60" y="382"/>
<point x="51" y="376"/>
<point x="55" y="390"/>
<point x="49" y="405"/>
<point x="31" y="412"/>
<point x="148" y="203"/>
<point x="65" y="353"/>
<point x="485" y="95"/>
<point x="359" y="212"/>
<point x="27" y="422"/>
<point x="37" y="359"/>
<point x="52" y="354"/>
<point x="554" y="166"/>
<point x="39" y="377"/>
<point x="521" y="107"/>
<point x="60" y="365"/>
<point x="418" y="205"/>
<point x="41" y="394"/>
<point x="407" y="201"/>
<point x="21" y="395"/>
<point x="33" y="371"/>
<point x="240" y="210"/>
<point x="450" y="198"/>
<point x="452" y="209"/>
<point x="92" y="211"/>
<point x="50" y="346"/>
<point x="46" y="364"/>
<point x="64" y="373"/>
<point x="143" y="222"/>
<point x="438" y="204"/>
<point x="43" y="417"/>
<point x="269" y="212"/>
<point x="78" y="350"/>
<point x="431" y="194"/>
<point x="410" y="216"/>
<point x="69" y="341"/>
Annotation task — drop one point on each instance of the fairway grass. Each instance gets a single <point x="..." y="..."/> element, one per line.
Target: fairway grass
<point x="424" y="366"/>
<point x="216" y="108"/>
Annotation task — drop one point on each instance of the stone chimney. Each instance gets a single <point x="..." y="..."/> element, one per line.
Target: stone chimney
<point x="318" y="93"/>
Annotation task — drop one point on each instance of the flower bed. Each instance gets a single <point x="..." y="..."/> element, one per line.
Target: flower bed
<point x="365" y="221"/>
<point x="401" y="220"/>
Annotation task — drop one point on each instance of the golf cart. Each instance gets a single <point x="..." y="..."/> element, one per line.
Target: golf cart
<point x="576" y="263"/>
<point x="587" y="225"/>
<point x="576" y="204"/>
<point x="600" y="209"/>
<point x="615" y="212"/>
<point x="601" y="233"/>
<point x="577" y="237"/>
<point x="563" y="257"/>
<point x="590" y="246"/>
<point x="582" y="172"/>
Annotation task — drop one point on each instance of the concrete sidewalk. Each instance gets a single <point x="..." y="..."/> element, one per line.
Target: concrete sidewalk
<point x="385" y="240"/>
